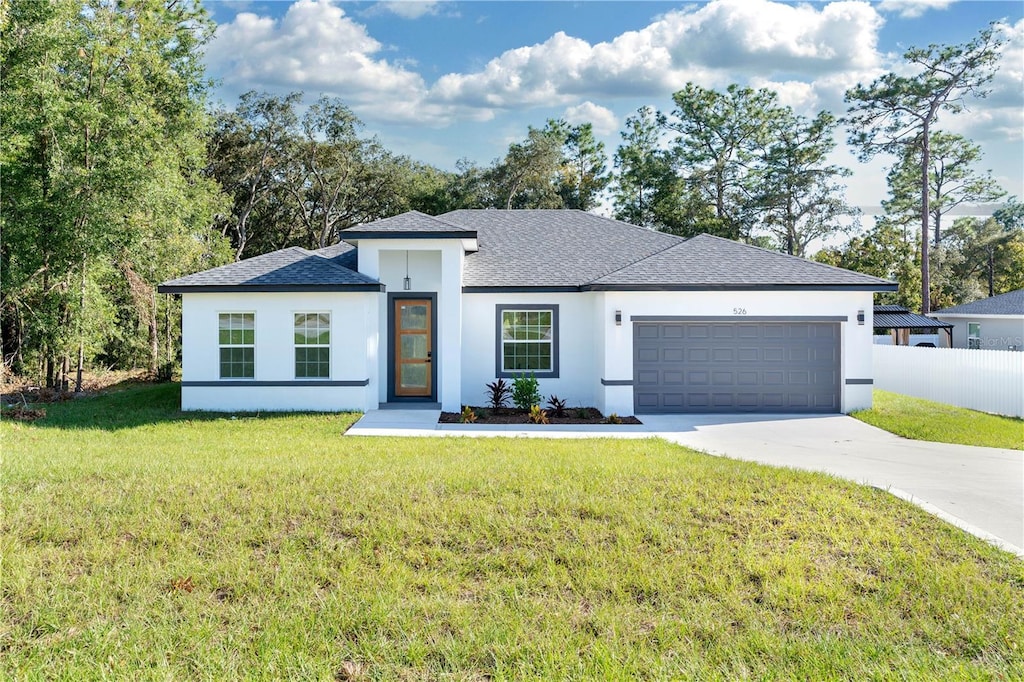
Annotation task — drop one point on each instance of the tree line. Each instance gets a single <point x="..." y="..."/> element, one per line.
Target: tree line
<point x="118" y="174"/>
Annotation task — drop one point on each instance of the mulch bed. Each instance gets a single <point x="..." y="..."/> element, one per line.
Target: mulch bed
<point x="485" y="415"/>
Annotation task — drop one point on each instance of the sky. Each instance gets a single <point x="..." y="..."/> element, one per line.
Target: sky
<point x="442" y="81"/>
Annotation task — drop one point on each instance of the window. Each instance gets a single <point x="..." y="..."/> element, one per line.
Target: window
<point x="312" y="345"/>
<point x="974" y="335"/>
<point x="527" y="340"/>
<point x="237" y="339"/>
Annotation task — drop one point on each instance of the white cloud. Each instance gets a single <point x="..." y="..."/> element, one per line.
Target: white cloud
<point x="314" y="47"/>
<point x="911" y="9"/>
<point x="718" y="43"/>
<point x="605" y="122"/>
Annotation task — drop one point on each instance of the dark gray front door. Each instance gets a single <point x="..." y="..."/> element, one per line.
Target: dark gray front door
<point x="688" y="367"/>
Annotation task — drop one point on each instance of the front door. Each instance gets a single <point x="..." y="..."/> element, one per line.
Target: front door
<point x="413" y="347"/>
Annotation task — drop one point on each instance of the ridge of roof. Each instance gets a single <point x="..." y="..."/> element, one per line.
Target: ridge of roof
<point x="402" y="220"/>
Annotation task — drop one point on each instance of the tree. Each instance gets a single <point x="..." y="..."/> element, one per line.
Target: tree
<point x="952" y="180"/>
<point x="644" y="170"/>
<point x="582" y="176"/>
<point x="796" y="194"/>
<point x="246" y="152"/>
<point x="882" y="251"/>
<point x="718" y="137"/>
<point x="104" y="111"/>
<point x="525" y="178"/>
<point x="898" y="110"/>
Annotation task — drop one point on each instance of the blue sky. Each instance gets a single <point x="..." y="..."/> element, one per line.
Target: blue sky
<point x="439" y="81"/>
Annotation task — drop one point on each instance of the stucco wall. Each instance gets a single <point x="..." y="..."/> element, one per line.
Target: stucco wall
<point x="997" y="333"/>
<point x="435" y="267"/>
<point x="617" y="364"/>
<point x="577" y="344"/>
<point x="353" y="351"/>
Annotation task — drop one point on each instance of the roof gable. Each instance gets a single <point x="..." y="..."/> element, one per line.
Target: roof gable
<point x="1010" y="303"/>
<point x="291" y="269"/>
<point x="411" y="224"/>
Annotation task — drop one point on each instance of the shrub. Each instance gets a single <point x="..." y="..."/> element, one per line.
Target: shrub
<point x="557" y="405"/>
<point x="498" y="394"/>
<point x="581" y="413"/>
<point x="613" y="419"/>
<point x="525" y="391"/>
<point x="538" y="416"/>
<point x="468" y="416"/>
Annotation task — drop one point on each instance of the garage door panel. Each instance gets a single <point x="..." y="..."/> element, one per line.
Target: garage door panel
<point x="737" y="367"/>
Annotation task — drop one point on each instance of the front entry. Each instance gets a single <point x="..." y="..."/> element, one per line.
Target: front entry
<point x="412" y="348"/>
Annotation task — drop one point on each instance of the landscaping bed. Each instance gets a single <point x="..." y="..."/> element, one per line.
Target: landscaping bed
<point x="582" y="415"/>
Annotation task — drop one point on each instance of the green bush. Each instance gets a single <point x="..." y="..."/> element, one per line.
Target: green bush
<point x="525" y="391"/>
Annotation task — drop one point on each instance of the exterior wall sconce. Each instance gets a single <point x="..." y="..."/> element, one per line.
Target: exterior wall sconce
<point x="407" y="281"/>
<point x="860" y="318"/>
<point x="618" y="318"/>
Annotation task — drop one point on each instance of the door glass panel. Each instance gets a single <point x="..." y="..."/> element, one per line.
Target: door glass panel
<point x="413" y="375"/>
<point x="414" y="346"/>
<point x="414" y="317"/>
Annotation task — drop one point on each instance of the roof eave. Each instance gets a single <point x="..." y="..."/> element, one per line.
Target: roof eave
<point x="353" y="236"/>
<point x="264" y="288"/>
<point x="740" y="287"/>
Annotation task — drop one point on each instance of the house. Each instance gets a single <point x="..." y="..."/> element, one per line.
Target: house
<point x="418" y="310"/>
<point x="996" y="323"/>
<point x="897" y="326"/>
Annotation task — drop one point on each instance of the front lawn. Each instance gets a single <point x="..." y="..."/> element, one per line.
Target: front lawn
<point x="922" y="419"/>
<point x="138" y="543"/>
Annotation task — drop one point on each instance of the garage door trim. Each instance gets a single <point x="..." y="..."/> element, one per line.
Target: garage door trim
<point x="738" y="318"/>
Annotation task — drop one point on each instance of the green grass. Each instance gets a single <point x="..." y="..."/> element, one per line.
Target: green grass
<point x="138" y="543"/>
<point x="922" y="419"/>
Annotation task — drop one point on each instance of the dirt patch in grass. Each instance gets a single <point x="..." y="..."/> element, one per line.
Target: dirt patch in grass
<point x="485" y="415"/>
<point x="22" y="390"/>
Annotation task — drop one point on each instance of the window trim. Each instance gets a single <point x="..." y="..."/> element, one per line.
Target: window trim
<point x="499" y="344"/>
<point x="329" y="345"/>
<point x="976" y="337"/>
<point x="220" y="368"/>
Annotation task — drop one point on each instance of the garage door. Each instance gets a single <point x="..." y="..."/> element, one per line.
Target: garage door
<point x="756" y="366"/>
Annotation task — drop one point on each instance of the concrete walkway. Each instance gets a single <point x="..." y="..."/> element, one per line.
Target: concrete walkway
<point x="978" y="489"/>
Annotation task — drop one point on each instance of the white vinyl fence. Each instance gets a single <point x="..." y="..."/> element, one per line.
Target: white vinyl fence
<point x="985" y="380"/>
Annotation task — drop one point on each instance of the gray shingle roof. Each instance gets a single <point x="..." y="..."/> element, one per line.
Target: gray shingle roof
<point x="343" y="254"/>
<point x="705" y="261"/>
<point x="411" y="222"/>
<point x="292" y="269"/>
<point x="551" y="247"/>
<point x="1011" y="303"/>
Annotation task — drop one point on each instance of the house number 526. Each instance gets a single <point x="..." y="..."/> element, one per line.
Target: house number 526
<point x="739" y="311"/>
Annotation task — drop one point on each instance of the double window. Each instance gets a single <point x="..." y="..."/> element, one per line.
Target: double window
<point x="312" y="345"/>
<point x="237" y="338"/>
<point x="974" y="335"/>
<point x="527" y="340"/>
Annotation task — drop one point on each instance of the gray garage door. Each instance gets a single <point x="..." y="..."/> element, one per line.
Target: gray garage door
<point x="756" y="366"/>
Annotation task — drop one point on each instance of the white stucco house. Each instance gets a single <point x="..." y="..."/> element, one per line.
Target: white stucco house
<point x="418" y="310"/>
<point x="994" y="323"/>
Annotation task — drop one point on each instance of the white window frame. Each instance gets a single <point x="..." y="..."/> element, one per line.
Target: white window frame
<point x="231" y="345"/>
<point x="974" y="340"/>
<point x="499" y="359"/>
<point x="296" y="345"/>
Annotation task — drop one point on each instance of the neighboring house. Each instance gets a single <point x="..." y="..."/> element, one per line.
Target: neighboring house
<point x="897" y="326"/>
<point x="420" y="310"/>
<point x="995" y="323"/>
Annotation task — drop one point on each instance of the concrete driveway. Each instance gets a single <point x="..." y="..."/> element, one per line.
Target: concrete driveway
<point x="978" y="489"/>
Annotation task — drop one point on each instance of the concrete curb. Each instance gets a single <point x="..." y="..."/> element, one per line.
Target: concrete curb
<point x="955" y="521"/>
